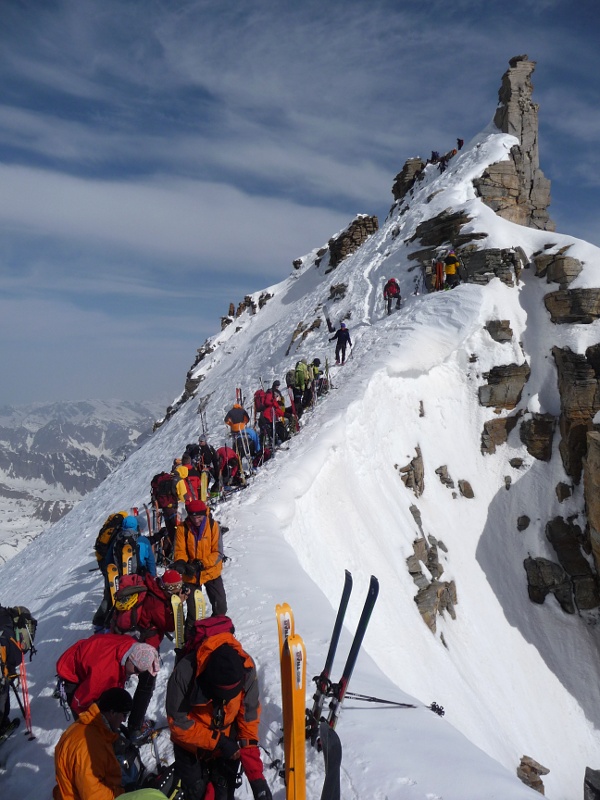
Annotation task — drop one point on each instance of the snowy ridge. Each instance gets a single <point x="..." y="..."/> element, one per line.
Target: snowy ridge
<point x="506" y="673"/>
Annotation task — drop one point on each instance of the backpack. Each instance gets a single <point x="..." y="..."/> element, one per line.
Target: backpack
<point x="290" y="378"/>
<point x="259" y="400"/>
<point x="163" y="490"/>
<point x="205" y="628"/>
<point x="107" y="535"/>
<point x="25" y="628"/>
<point x="128" y="602"/>
<point x="192" y="482"/>
<point x="115" y="553"/>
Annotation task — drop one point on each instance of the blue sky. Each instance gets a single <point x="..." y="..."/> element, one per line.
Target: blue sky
<point x="160" y="159"/>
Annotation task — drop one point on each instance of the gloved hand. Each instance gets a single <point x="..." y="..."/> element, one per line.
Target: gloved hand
<point x="198" y="565"/>
<point x="189" y="570"/>
<point x="228" y="747"/>
<point x="260" y="790"/>
<point x="179" y="565"/>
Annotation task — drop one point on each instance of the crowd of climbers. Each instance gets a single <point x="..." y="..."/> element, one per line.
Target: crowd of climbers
<point x="212" y="699"/>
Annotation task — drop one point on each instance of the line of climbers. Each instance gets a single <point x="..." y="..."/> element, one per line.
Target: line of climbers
<point x="212" y="699"/>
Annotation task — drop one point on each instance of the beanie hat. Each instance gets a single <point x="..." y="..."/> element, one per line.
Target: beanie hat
<point x="202" y="439"/>
<point x="317" y="362"/>
<point x="130" y="523"/>
<point x="223" y="675"/>
<point x="145" y="658"/>
<point x="195" y="507"/>
<point x="276" y="384"/>
<point x="115" y="700"/>
<point x="171" y="580"/>
<point x="342" y="324"/>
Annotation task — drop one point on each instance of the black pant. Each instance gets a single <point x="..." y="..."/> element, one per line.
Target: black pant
<point x="141" y="700"/>
<point x="4" y="705"/>
<point x="215" y="590"/>
<point x="195" y="775"/>
<point x="340" y="349"/>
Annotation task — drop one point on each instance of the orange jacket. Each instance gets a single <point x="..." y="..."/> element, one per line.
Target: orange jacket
<point x="85" y="762"/>
<point x="204" y="544"/>
<point x="190" y="712"/>
<point x="237" y="418"/>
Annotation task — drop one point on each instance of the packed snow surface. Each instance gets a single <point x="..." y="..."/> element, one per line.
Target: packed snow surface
<point x="514" y="678"/>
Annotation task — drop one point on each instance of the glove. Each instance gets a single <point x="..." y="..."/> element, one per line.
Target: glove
<point x="189" y="571"/>
<point x="260" y="790"/>
<point x="227" y="747"/>
<point x="179" y="566"/>
<point x="198" y="565"/>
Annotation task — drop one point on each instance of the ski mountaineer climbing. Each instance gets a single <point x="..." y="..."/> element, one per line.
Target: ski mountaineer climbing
<point x="205" y="456"/>
<point x="271" y="420"/>
<point x="343" y="339"/>
<point x="391" y="292"/>
<point x="10" y="658"/>
<point x="229" y="466"/>
<point x="149" y="623"/>
<point x="199" y="557"/>
<point x="84" y="759"/>
<point x="142" y="562"/>
<point x="104" y="660"/>
<point x="452" y="266"/>
<point x="213" y="710"/>
<point x="237" y="418"/>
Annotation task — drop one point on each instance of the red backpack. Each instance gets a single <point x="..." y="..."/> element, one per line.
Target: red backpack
<point x="203" y="630"/>
<point x="259" y="400"/>
<point x="129" y="599"/>
<point x="163" y="490"/>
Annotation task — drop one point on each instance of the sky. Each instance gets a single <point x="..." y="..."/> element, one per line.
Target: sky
<point x="502" y="667"/>
<point x="160" y="159"/>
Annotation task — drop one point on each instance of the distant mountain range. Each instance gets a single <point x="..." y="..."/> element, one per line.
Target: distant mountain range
<point x="52" y="454"/>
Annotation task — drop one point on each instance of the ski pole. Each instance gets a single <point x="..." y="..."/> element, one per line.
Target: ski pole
<point x="437" y="709"/>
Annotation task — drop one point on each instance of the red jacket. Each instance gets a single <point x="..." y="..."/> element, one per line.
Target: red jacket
<point x="272" y="407"/>
<point x="391" y="289"/>
<point x="156" y="616"/>
<point x="226" y="454"/>
<point x="94" y="664"/>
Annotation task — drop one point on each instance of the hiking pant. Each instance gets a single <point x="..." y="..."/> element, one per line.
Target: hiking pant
<point x="141" y="700"/>
<point x="4" y="705"/>
<point x="215" y="590"/>
<point x="196" y="774"/>
<point x="170" y="521"/>
<point x="340" y="348"/>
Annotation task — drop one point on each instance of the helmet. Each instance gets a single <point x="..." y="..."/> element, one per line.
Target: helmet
<point x="276" y="384"/>
<point x="317" y="362"/>
<point x="342" y="324"/>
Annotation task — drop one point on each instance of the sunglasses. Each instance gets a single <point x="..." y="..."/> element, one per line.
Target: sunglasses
<point x="198" y="514"/>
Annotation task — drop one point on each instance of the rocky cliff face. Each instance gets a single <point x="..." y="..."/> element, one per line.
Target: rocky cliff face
<point x="516" y="189"/>
<point x="52" y="454"/>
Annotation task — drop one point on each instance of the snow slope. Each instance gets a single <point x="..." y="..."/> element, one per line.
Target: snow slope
<point x="514" y="678"/>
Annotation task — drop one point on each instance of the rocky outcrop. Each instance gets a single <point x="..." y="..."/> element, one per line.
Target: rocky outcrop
<point x="500" y="330"/>
<point x="434" y="596"/>
<point x="572" y="306"/>
<point x="566" y="538"/>
<point x="537" y="434"/>
<point x="545" y="577"/>
<point x="413" y="474"/>
<point x="504" y="385"/>
<point x="591" y="488"/>
<point x="496" y="432"/>
<point x="481" y="266"/>
<point x="529" y="771"/>
<point x="442" y="230"/>
<point x="351" y="239"/>
<point x="579" y="390"/>
<point x="516" y="189"/>
<point x="557" y="267"/>
<point x="405" y="179"/>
